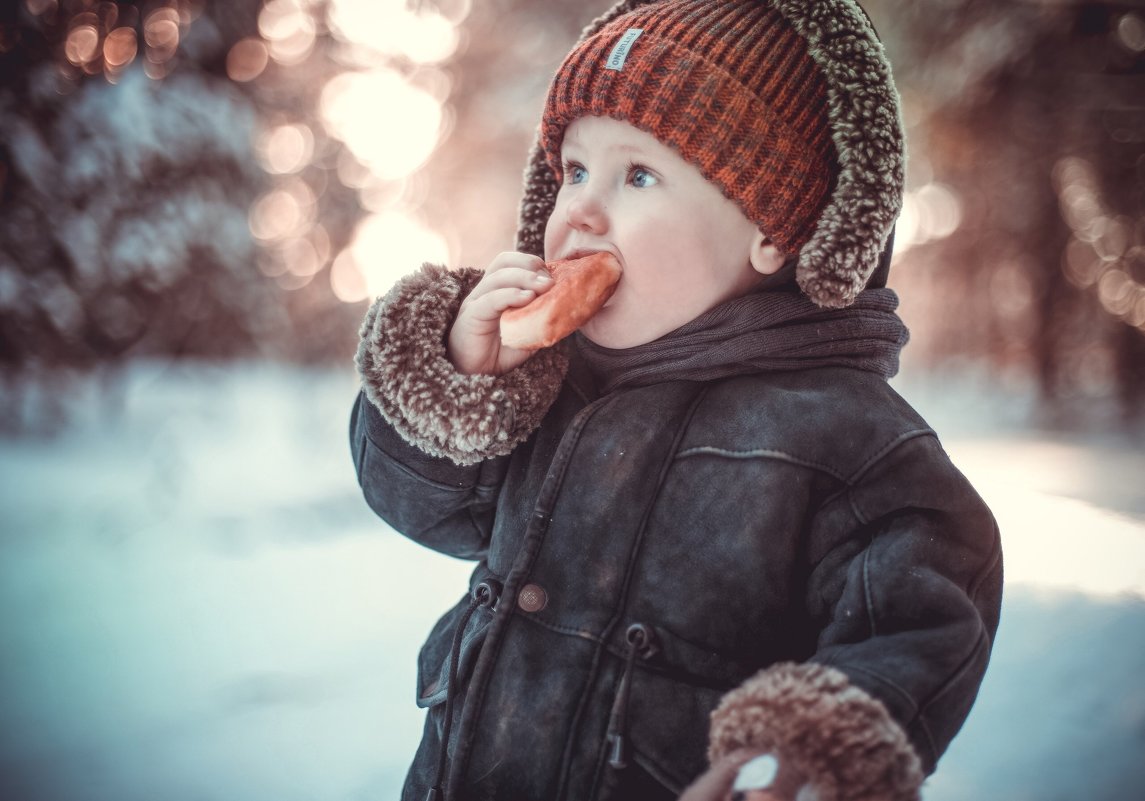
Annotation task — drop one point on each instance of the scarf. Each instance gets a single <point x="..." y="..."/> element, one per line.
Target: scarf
<point x="759" y="332"/>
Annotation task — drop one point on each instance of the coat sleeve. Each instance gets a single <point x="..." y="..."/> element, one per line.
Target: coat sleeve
<point x="905" y="584"/>
<point x="430" y="445"/>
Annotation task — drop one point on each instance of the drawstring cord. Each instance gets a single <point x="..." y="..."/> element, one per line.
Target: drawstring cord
<point x="641" y="642"/>
<point x="484" y="594"/>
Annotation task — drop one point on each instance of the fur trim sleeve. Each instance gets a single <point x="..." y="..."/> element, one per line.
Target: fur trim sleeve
<point x="406" y="374"/>
<point x="842" y="739"/>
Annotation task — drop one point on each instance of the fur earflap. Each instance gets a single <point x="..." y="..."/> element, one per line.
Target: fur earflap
<point x="406" y="374"/>
<point x="839" y="737"/>
<point x="866" y="127"/>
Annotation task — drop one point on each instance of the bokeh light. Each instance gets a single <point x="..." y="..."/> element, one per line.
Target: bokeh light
<point x="82" y="43"/>
<point x="282" y="212"/>
<point x="161" y="33"/>
<point x="37" y="7"/>
<point x="392" y="28"/>
<point x="391" y="126"/>
<point x="929" y="213"/>
<point x="119" y="49"/>
<point x="247" y="59"/>
<point x="286" y="148"/>
<point x="289" y="29"/>
<point x="385" y="247"/>
<point x="385" y="106"/>
<point x="1131" y="32"/>
<point x="1102" y="253"/>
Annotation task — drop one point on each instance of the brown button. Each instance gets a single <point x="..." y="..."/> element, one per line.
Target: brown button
<point x="532" y="598"/>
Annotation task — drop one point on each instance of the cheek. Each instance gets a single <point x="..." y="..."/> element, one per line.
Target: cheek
<point x="553" y="232"/>
<point x="669" y="253"/>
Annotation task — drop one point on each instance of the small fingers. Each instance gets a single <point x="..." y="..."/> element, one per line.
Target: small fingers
<point x="488" y="307"/>
<point x="513" y="259"/>
<point x="511" y="278"/>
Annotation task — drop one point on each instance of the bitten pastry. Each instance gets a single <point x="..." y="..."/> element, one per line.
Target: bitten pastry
<point x="581" y="287"/>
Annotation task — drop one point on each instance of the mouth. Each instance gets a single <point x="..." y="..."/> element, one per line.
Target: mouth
<point x="580" y="253"/>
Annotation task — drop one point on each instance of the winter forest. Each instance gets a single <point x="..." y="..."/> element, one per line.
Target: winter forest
<point x="197" y="201"/>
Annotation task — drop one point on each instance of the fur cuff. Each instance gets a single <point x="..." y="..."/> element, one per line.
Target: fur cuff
<point x="839" y="737"/>
<point x="406" y="374"/>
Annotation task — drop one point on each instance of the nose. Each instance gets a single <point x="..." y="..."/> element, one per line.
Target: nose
<point x="587" y="212"/>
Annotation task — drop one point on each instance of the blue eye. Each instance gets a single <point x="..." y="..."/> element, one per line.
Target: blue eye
<point x="574" y="173"/>
<point x="641" y="178"/>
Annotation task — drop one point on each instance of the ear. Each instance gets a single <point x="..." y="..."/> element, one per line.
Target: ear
<point x="765" y="256"/>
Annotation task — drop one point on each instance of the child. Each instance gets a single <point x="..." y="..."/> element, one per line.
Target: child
<point x="705" y="528"/>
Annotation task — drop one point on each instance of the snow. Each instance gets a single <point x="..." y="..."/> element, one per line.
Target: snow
<point x="197" y="604"/>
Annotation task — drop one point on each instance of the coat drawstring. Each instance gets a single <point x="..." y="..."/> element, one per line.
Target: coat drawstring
<point x="642" y="643"/>
<point x="484" y="594"/>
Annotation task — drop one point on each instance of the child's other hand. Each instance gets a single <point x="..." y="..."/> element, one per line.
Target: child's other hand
<point x="511" y="279"/>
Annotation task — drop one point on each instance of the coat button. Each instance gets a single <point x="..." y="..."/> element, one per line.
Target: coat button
<point x="532" y="598"/>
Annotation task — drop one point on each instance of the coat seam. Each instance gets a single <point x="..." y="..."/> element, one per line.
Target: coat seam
<point x="886" y="449"/>
<point x="867" y="594"/>
<point x="409" y="471"/>
<point x="361" y="461"/>
<point x="855" y="510"/>
<point x="920" y="718"/>
<point x="958" y="671"/>
<point x="761" y="453"/>
<point x="559" y="629"/>
<point x="902" y="692"/>
<point x="988" y="568"/>
<point x="880" y="454"/>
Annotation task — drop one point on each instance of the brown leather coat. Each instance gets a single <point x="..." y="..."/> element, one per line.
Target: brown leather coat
<point x="643" y="553"/>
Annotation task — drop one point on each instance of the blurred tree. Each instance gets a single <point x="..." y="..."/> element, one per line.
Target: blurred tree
<point x="1030" y="117"/>
<point x="124" y="201"/>
<point x="127" y="172"/>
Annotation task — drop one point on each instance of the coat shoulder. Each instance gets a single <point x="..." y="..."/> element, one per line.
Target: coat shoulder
<point x="838" y="418"/>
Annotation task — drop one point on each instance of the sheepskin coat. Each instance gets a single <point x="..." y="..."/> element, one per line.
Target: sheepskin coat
<point x="786" y="561"/>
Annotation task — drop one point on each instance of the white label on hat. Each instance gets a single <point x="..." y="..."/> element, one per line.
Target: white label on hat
<point x="619" y="53"/>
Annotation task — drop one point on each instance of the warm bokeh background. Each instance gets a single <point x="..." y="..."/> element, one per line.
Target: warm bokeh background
<point x="182" y="178"/>
<point x="198" y="198"/>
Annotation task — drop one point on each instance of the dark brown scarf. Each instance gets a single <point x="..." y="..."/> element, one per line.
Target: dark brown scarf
<point x="759" y="332"/>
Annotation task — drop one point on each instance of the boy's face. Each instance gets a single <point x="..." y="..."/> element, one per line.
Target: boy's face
<point x="683" y="247"/>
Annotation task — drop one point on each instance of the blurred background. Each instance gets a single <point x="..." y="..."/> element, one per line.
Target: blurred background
<point x="197" y="200"/>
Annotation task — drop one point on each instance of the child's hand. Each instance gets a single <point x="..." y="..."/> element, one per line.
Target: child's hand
<point x="511" y="280"/>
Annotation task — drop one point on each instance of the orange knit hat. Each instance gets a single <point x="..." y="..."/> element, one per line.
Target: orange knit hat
<point x="786" y="105"/>
<point x="730" y="85"/>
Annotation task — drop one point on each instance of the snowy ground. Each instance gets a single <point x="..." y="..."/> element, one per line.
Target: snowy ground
<point x="195" y="605"/>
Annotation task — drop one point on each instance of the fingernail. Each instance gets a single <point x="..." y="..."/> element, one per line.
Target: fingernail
<point x="543" y="278"/>
<point x="757" y="773"/>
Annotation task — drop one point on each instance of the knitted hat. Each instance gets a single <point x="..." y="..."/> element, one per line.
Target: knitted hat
<point x="787" y="106"/>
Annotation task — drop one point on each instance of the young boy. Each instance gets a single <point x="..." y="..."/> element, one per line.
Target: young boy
<point x="705" y="528"/>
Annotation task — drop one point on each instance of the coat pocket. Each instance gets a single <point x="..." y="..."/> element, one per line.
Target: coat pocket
<point x="434" y="661"/>
<point x="695" y="664"/>
<point x="672" y="699"/>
